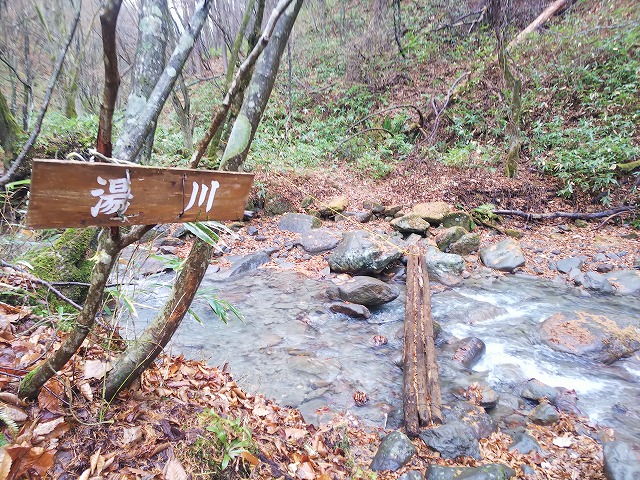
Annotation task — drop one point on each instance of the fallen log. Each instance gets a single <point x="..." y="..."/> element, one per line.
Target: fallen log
<point x="553" y="9"/>
<point x="570" y="215"/>
<point x="421" y="391"/>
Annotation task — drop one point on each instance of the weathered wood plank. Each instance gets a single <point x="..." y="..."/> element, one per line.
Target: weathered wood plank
<point x="80" y="194"/>
<point x="421" y="390"/>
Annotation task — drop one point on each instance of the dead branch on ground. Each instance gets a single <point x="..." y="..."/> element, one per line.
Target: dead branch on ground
<point x="570" y="215"/>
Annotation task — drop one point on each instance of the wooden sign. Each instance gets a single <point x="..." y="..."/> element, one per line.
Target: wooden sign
<point x="80" y="194"/>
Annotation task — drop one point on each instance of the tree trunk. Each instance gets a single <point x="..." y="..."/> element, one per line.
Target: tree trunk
<point x="131" y="140"/>
<point x="150" y="60"/>
<point x="9" y="131"/>
<point x="258" y="91"/>
<point x="137" y="357"/>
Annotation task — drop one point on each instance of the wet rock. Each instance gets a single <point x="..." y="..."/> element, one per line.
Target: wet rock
<point x="298" y="222"/>
<point x="395" y="451"/>
<point x="621" y="461"/>
<point x="458" y="219"/>
<point x="544" y="414"/>
<point x="170" y="242"/>
<point x="241" y="266"/>
<point x="361" y="253"/>
<point x="504" y="256"/>
<point x="523" y="442"/>
<point x="567" y="401"/>
<point x="605" y="267"/>
<point x="594" y="281"/>
<point x="481" y="424"/>
<point x="432" y="212"/>
<point x="627" y="282"/>
<point x="156" y="234"/>
<point x="488" y="397"/>
<point x="452" y="440"/>
<point x="251" y="231"/>
<point x="466" y="245"/>
<point x="469" y="351"/>
<point x="410" y="223"/>
<point x="367" y="291"/>
<point x="490" y="471"/>
<point x="567" y="264"/>
<point x="536" y="390"/>
<point x="411" y="475"/>
<point x="333" y="206"/>
<point x="351" y="309"/>
<point x="449" y="236"/>
<point x="318" y="240"/>
<point x="597" y="337"/>
<point x="445" y="268"/>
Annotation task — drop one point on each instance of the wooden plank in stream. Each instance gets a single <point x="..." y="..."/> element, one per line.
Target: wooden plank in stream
<point x="421" y="390"/>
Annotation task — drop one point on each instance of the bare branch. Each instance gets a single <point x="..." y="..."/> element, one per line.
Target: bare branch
<point x="242" y="72"/>
<point x="10" y="173"/>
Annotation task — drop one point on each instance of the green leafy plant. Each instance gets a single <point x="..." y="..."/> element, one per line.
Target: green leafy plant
<point x="223" y="443"/>
<point x="221" y="308"/>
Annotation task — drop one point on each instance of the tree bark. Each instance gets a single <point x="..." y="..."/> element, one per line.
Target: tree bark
<point x="137" y="357"/>
<point x="9" y="130"/>
<point x="150" y="60"/>
<point x="108" y="21"/>
<point x="258" y="91"/>
<point x="550" y="11"/>
<point x="131" y="141"/>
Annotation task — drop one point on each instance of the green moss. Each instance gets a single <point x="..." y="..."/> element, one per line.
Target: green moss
<point x="66" y="260"/>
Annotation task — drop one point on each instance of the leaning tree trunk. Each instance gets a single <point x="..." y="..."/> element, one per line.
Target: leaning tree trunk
<point x="258" y="92"/>
<point x="150" y="60"/>
<point x="137" y="357"/>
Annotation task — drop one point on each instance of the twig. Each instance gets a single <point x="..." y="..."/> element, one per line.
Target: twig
<point x="15" y="72"/>
<point x="609" y="218"/>
<point x="35" y="279"/>
<point x="365" y="131"/>
<point x="394" y="107"/>
<point x="440" y="111"/>
<point x="11" y="171"/>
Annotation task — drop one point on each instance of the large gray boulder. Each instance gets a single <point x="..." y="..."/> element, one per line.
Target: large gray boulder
<point x="536" y="390"/>
<point x="410" y="223"/>
<point x="505" y="256"/>
<point x="298" y="222"/>
<point x="367" y="291"/>
<point x="597" y="337"/>
<point x="565" y="265"/>
<point x="394" y="452"/>
<point x="544" y="414"/>
<point x="241" y="266"/>
<point x="445" y="268"/>
<point x="318" y="240"/>
<point x="452" y="440"/>
<point x="361" y="253"/>
<point x="621" y="461"/>
<point x="594" y="281"/>
<point x="432" y="212"/>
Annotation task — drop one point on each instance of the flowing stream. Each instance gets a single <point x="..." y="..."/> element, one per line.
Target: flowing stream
<point x="291" y="348"/>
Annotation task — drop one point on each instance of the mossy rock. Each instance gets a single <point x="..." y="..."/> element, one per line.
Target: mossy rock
<point x="277" y="205"/>
<point x="66" y="260"/>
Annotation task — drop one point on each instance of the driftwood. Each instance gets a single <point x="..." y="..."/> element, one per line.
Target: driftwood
<point x="569" y="215"/>
<point x="421" y="391"/>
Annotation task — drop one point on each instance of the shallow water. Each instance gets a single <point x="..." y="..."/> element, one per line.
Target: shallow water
<point x="292" y="349"/>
